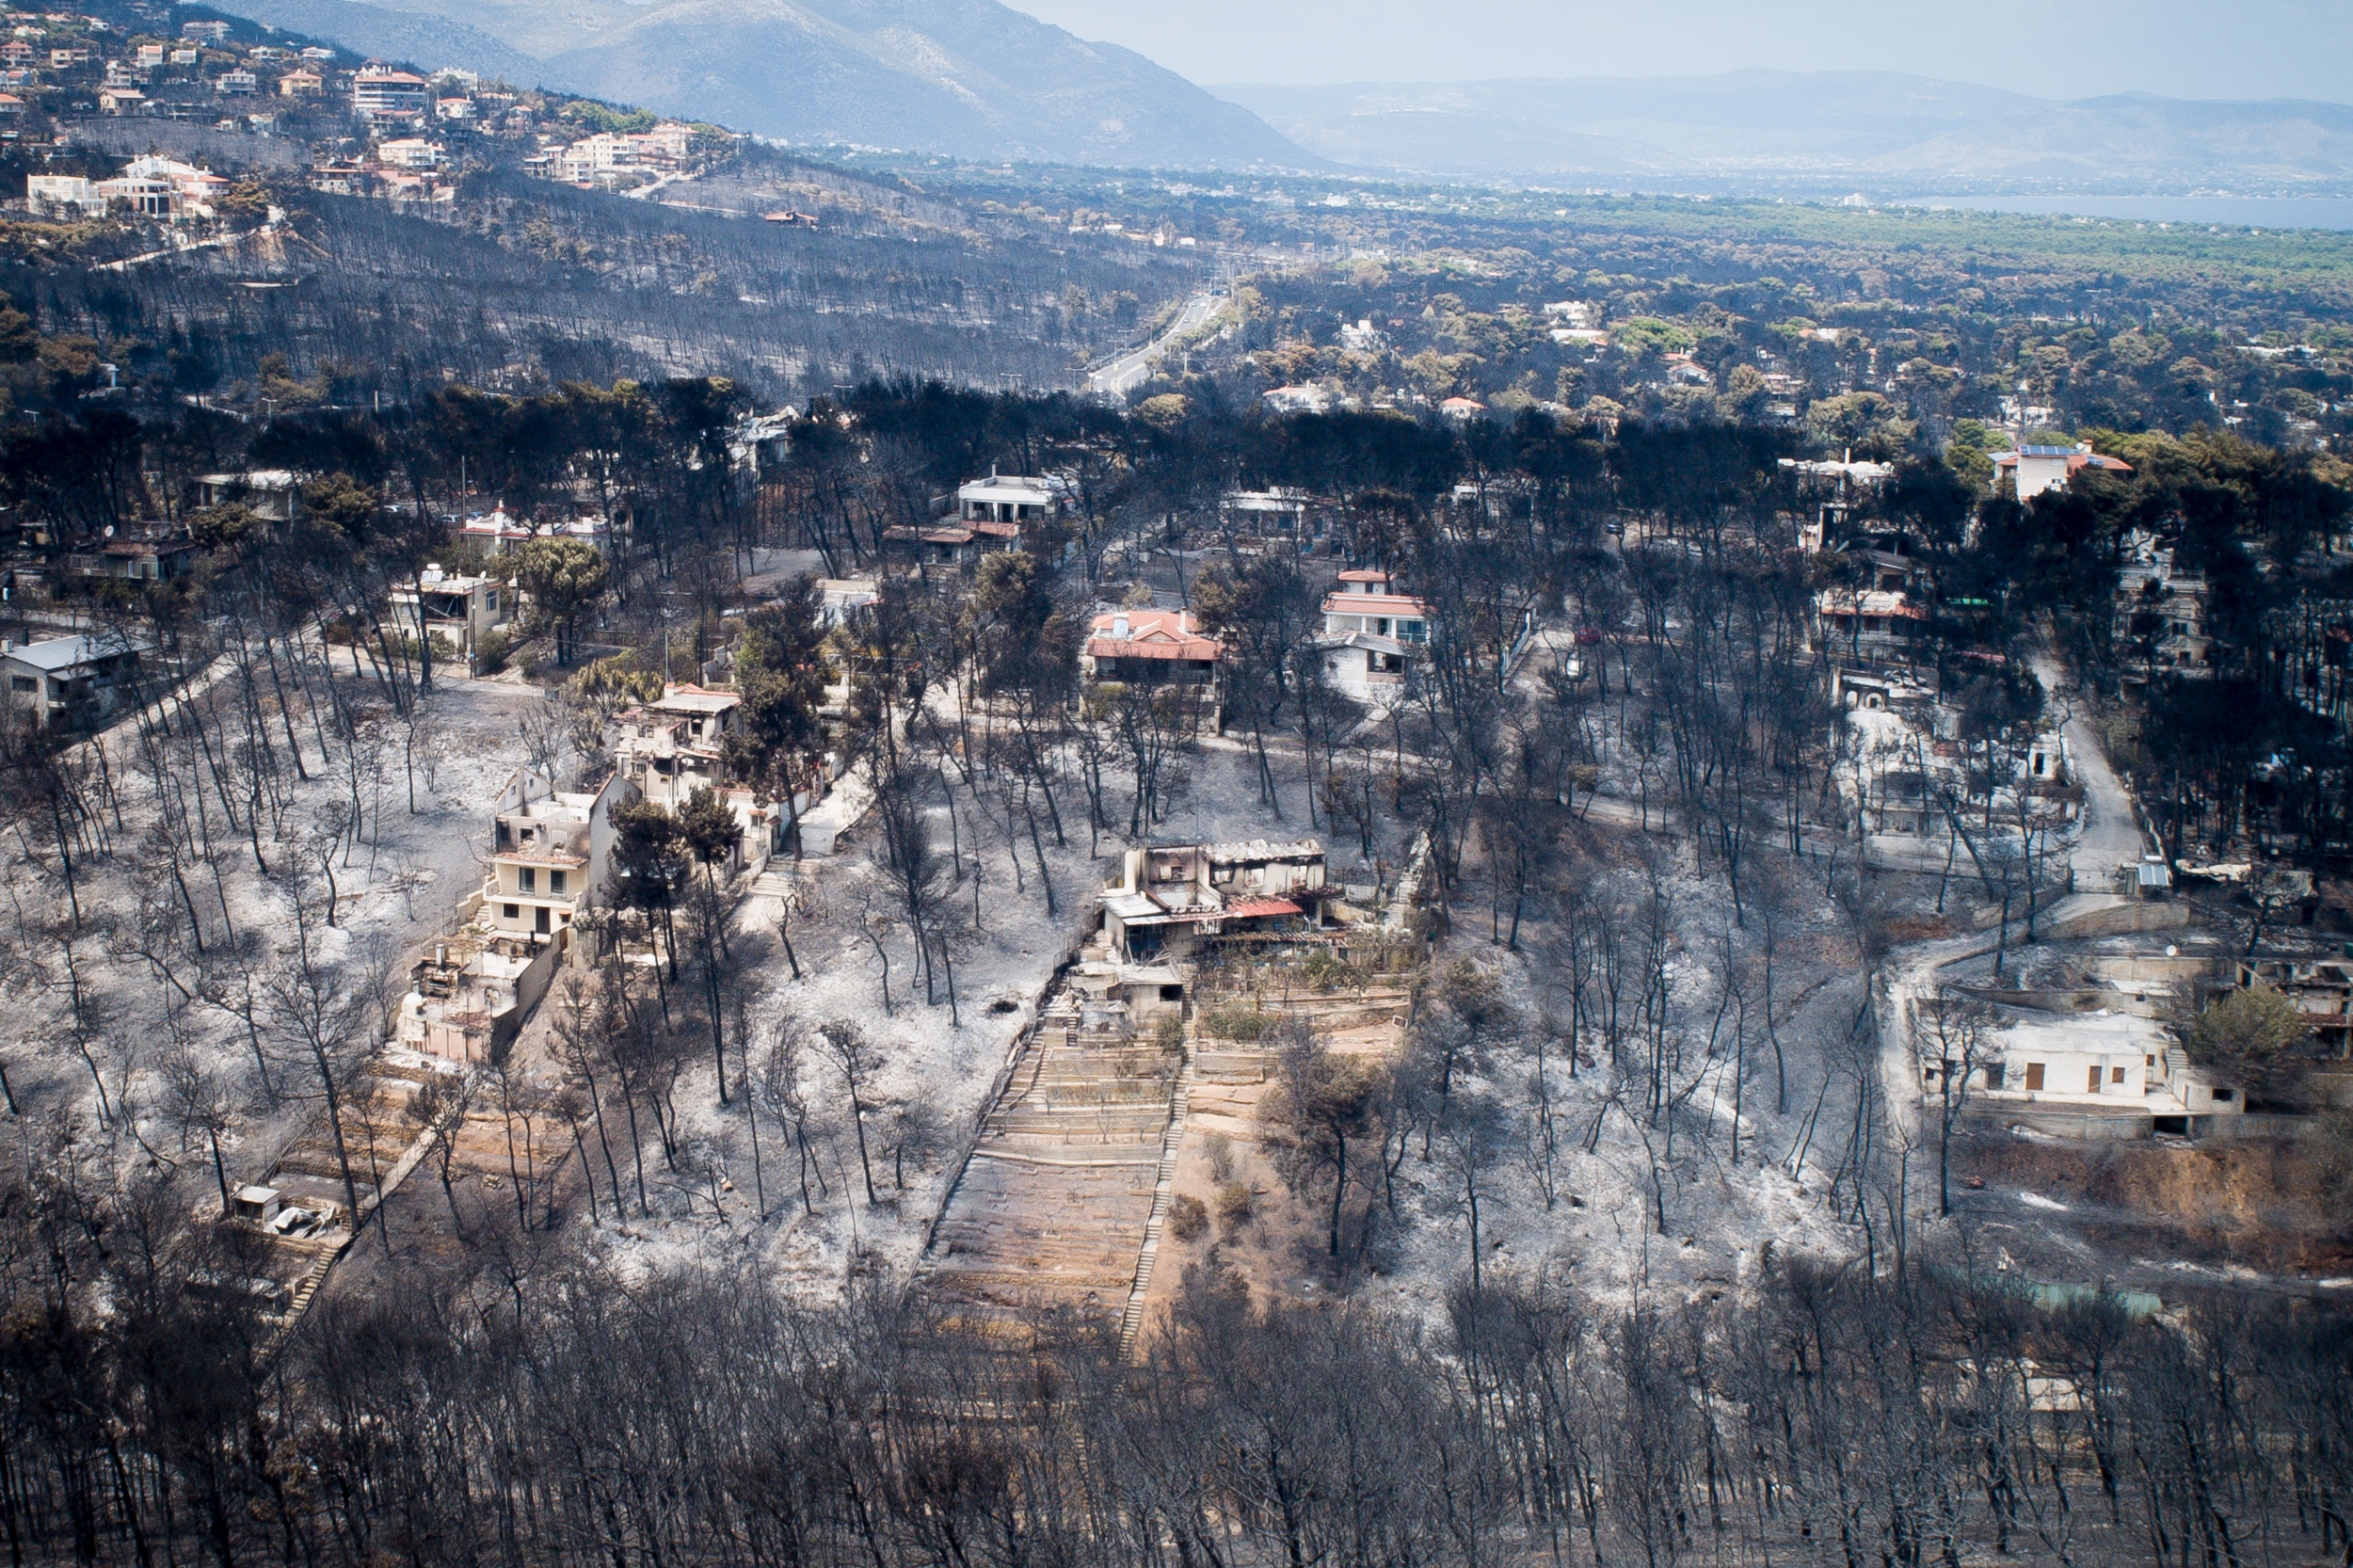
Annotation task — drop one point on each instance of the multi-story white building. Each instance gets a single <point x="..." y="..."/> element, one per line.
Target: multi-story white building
<point x="463" y="609"/>
<point x="1371" y="634"/>
<point x="550" y="853"/>
<point x="410" y="152"/>
<point x="64" y="195"/>
<point x="2033" y="470"/>
<point x="380" y="94"/>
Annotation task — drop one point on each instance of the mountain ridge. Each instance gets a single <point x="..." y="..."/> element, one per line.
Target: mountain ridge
<point x="971" y="78"/>
<point x="1811" y="125"/>
<point x="429" y="41"/>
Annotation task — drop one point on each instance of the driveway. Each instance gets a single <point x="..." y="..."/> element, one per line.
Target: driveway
<point x="2110" y="834"/>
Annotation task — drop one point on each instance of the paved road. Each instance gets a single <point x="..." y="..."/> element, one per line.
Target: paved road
<point x="181" y="247"/>
<point x="2110" y="835"/>
<point x="1135" y="368"/>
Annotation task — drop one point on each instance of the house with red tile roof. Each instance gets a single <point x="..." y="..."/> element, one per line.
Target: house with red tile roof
<point x="1150" y="647"/>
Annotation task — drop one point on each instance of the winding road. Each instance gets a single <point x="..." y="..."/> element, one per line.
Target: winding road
<point x="2108" y="836"/>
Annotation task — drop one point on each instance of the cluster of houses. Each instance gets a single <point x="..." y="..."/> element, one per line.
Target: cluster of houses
<point x="1371" y="632"/>
<point x="402" y="169"/>
<point x="457" y="610"/>
<point x="1923" y="793"/>
<point x="614" y="158"/>
<point x="85" y="64"/>
<point x="405" y="121"/>
<point x="151" y="186"/>
<point x="2075" y="1044"/>
<point x="552" y="860"/>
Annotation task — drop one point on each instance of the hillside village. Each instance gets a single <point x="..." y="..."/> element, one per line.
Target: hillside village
<point x="699" y="795"/>
<point x="374" y="130"/>
<point x="1404" y="300"/>
<point x="1551" y="868"/>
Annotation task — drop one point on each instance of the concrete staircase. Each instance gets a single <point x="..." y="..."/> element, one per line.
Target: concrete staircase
<point x="331" y="1247"/>
<point x="1171" y="1144"/>
<point x="307" y="1287"/>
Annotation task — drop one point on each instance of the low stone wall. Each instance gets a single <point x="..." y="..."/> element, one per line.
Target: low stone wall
<point x="2084" y="1127"/>
<point x="2118" y="919"/>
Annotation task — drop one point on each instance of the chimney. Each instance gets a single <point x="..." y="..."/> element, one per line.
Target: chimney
<point x="1119" y="626"/>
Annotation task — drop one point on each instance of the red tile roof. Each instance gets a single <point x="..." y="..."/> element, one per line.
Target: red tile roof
<point x="1259" y="907"/>
<point x="1396" y="606"/>
<point x="1152" y="635"/>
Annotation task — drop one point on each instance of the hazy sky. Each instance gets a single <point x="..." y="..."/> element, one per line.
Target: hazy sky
<point x="2055" y="48"/>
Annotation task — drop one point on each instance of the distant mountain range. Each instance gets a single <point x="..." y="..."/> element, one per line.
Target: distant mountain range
<point x="968" y="77"/>
<point x="1822" y="128"/>
<point x="978" y="79"/>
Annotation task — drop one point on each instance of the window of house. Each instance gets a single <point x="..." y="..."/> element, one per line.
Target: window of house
<point x="1994" y="1073"/>
<point x="2222" y="1096"/>
<point x="2093" y="1085"/>
<point x="526" y="879"/>
<point x="24" y="682"/>
<point x="555" y="885"/>
<point x="2148" y="1061"/>
<point x="2115" y="1075"/>
<point x="510" y="911"/>
<point x="2034" y="1076"/>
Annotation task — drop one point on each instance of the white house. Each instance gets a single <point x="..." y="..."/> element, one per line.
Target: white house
<point x="841" y="599"/>
<point x="1297" y="400"/>
<point x="550" y="853"/>
<point x="1264" y="513"/>
<point x="2107" y="1069"/>
<point x="673" y="746"/>
<point x="2033" y="470"/>
<point x="64" y="195"/>
<point x="410" y="152"/>
<point x="461" y="608"/>
<point x="274" y="495"/>
<point x="67" y="680"/>
<point x="1008" y="499"/>
<point x="470" y="995"/>
<point x="496" y="531"/>
<point x="1372" y="634"/>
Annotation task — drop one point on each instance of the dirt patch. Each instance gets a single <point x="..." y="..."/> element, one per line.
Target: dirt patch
<point x="1252" y="1226"/>
<point x="2277" y="1203"/>
<point x="1904" y="930"/>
